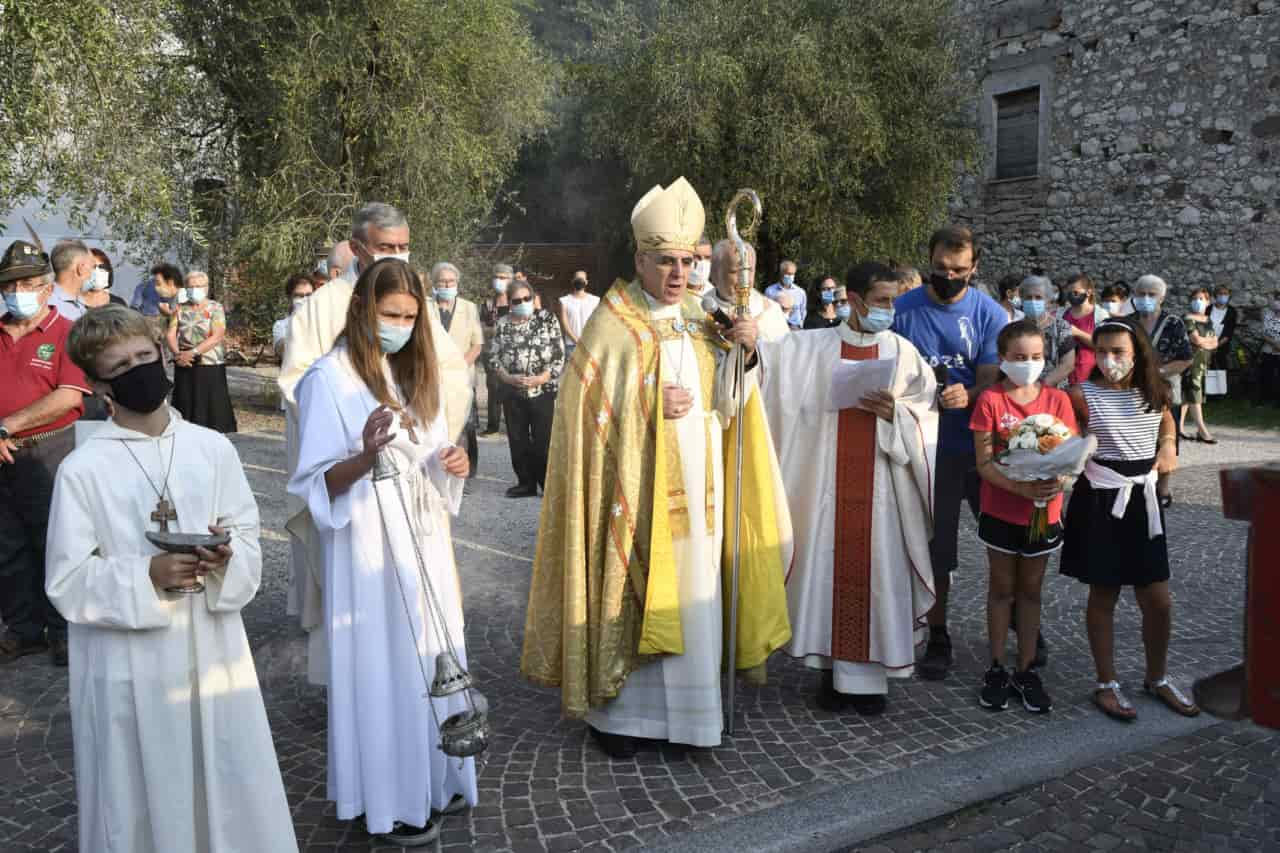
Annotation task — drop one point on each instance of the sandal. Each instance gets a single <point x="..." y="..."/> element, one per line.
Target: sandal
<point x="1165" y="501"/>
<point x="1171" y="696"/>
<point x="1119" y="707"/>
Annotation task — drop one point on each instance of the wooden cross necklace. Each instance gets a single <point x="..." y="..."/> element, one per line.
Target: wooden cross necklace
<point x="164" y="511"/>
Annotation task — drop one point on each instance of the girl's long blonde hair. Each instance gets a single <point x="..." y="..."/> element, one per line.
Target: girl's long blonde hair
<point x="414" y="367"/>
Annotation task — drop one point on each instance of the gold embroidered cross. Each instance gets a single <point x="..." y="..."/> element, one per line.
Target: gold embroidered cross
<point x="164" y="514"/>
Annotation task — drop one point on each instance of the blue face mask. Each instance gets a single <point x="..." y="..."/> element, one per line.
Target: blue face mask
<point x="843" y="312"/>
<point x="393" y="338"/>
<point x="524" y="309"/>
<point x="828" y="296"/>
<point x="1033" y="307"/>
<point x="446" y="294"/>
<point x="23" y="305"/>
<point x="1198" y="305"/>
<point x="788" y="280"/>
<point x="1222" y="300"/>
<point x="877" y="319"/>
<point x="1144" y="304"/>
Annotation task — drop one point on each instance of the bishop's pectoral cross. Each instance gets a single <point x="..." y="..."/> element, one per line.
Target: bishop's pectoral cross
<point x="164" y="514"/>
<point x="406" y="424"/>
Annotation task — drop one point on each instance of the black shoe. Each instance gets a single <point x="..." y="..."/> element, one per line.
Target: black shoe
<point x="58" y="650"/>
<point x="995" y="689"/>
<point x="1034" y="699"/>
<point x="404" y="835"/>
<point x="490" y="431"/>
<point x="1165" y="501"/>
<point x="937" y="656"/>
<point x="1041" y="660"/>
<point x="828" y="699"/>
<point x="868" y="704"/>
<point x="13" y="647"/>
<point x="615" y="746"/>
<point x="522" y="491"/>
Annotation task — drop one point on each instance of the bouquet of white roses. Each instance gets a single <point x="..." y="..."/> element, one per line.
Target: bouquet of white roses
<point x="1042" y="447"/>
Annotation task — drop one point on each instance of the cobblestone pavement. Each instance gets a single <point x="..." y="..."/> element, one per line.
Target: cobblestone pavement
<point x="546" y="788"/>
<point x="1215" y="790"/>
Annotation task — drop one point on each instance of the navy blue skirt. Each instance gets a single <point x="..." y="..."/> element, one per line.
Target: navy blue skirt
<point x="1103" y="550"/>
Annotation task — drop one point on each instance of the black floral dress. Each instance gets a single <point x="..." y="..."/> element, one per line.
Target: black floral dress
<point x="528" y="349"/>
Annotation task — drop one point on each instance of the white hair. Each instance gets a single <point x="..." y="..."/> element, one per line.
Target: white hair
<point x="444" y="266"/>
<point x="1149" y="280"/>
<point x="378" y="215"/>
<point x="195" y="278"/>
<point x="722" y="254"/>
<point x="1034" y="281"/>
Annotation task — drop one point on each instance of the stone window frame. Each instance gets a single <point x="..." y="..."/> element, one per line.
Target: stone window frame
<point x="997" y="83"/>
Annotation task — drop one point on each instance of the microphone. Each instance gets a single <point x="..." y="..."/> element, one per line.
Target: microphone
<point x="712" y="307"/>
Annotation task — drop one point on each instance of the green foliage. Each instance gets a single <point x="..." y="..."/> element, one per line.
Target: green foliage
<point x="420" y="103"/>
<point x="97" y="108"/>
<point x="845" y="115"/>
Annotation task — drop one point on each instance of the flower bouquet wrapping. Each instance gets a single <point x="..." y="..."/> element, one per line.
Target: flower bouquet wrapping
<point x="1042" y="447"/>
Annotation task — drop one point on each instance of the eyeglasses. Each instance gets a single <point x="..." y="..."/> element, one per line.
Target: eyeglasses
<point x="23" y="286"/>
<point x="521" y="300"/>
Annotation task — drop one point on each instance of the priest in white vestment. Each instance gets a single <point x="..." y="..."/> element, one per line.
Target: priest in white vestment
<point x="383" y="563"/>
<point x="377" y="231"/>
<point x="859" y="483"/>
<point x="172" y="746"/>
<point x="626" y="609"/>
<point x="769" y="316"/>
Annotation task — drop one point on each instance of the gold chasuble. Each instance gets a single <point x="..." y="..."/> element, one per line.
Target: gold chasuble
<point x="604" y="596"/>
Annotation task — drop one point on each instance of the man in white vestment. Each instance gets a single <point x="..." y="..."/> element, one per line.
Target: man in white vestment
<point x="625" y="610"/>
<point x="377" y="231"/>
<point x="858" y="477"/>
<point x="172" y="747"/>
<point x="769" y="316"/>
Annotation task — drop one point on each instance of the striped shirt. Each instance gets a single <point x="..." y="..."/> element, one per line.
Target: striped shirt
<point x="1119" y="420"/>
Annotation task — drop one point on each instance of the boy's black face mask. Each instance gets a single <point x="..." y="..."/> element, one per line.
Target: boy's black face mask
<point x="142" y="388"/>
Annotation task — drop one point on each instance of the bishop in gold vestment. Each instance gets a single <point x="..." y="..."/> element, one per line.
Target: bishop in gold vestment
<point x="628" y="603"/>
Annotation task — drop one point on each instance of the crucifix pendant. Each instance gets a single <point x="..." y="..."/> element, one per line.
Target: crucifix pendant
<point x="406" y="423"/>
<point x="164" y="513"/>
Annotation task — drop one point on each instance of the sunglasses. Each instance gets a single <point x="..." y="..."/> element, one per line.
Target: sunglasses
<point x="521" y="300"/>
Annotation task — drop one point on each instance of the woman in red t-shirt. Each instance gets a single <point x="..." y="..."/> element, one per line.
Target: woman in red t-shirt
<point x="1083" y="315"/>
<point x="1017" y="558"/>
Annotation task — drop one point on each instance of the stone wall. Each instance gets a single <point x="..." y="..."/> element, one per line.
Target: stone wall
<point x="1159" y="142"/>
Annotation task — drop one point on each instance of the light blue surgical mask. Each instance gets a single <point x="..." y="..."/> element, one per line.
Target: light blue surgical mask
<point x="446" y="294"/>
<point x="828" y="296"/>
<point x="1222" y="299"/>
<point x="23" y="305"/>
<point x="1198" y="305"/>
<point x="1015" y="301"/>
<point x="393" y="338"/>
<point x="523" y="309"/>
<point x="877" y="319"/>
<point x="1144" y="304"/>
<point x="843" y="312"/>
<point x="788" y="280"/>
<point x="1033" y="307"/>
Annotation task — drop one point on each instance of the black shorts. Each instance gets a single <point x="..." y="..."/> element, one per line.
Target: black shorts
<point x="1000" y="535"/>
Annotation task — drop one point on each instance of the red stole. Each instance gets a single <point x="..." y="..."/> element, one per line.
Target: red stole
<point x="855" y="482"/>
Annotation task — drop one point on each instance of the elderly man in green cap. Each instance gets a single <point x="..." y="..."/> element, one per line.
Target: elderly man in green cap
<point x="40" y="399"/>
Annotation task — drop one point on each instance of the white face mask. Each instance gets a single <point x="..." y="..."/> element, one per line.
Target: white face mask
<point x="1111" y="307"/>
<point x="500" y="285"/>
<point x="182" y="295"/>
<point x="1115" y="369"/>
<point x="298" y="302"/>
<point x="403" y="257"/>
<point x="1023" y="373"/>
<point x="99" y="279"/>
<point x="700" y="274"/>
<point x="198" y="294"/>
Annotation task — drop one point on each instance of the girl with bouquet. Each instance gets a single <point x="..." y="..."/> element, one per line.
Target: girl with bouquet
<point x="1115" y="533"/>
<point x="1019" y="408"/>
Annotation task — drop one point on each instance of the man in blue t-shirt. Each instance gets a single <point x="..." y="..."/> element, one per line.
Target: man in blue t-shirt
<point x="954" y="326"/>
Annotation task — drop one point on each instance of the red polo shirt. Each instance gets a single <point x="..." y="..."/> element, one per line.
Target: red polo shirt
<point x="36" y="365"/>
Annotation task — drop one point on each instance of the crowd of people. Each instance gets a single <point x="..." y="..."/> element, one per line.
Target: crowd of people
<point x="819" y="441"/>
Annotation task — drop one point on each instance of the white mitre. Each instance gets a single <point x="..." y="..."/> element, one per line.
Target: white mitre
<point x="668" y="219"/>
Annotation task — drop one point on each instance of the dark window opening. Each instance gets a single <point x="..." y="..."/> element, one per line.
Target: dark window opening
<point x="1018" y="134"/>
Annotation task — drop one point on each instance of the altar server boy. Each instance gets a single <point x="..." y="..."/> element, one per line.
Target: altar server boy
<point x="172" y="747"/>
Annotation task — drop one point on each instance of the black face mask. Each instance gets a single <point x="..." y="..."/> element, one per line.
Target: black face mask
<point x="1077" y="299"/>
<point x="947" y="288"/>
<point x="579" y="284"/>
<point x="143" y="388"/>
